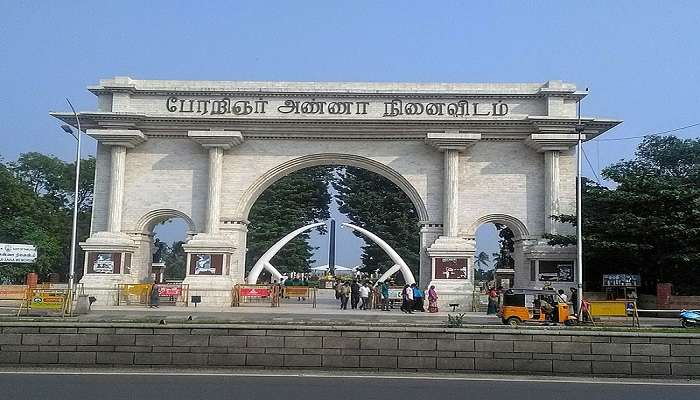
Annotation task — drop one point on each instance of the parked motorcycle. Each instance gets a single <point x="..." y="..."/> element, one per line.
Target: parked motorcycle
<point x="690" y="318"/>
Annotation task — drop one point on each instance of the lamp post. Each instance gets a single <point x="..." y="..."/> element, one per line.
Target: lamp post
<point x="74" y="235"/>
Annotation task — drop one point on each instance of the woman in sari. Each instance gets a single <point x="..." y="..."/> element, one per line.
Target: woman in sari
<point x="432" y="300"/>
<point x="493" y="299"/>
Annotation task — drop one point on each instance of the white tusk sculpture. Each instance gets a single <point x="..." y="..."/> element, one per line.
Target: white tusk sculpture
<point x="265" y="259"/>
<point x="272" y="270"/>
<point x="391" y="271"/>
<point x="395" y="257"/>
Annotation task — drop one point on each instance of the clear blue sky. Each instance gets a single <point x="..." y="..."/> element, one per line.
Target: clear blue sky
<point x="639" y="58"/>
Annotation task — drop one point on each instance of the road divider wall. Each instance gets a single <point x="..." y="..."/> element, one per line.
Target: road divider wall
<point x="492" y="350"/>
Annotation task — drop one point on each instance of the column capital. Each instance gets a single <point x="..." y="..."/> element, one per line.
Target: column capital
<point x="552" y="141"/>
<point x="117" y="137"/>
<point x="452" y="140"/>
<point x="223" y="139"/>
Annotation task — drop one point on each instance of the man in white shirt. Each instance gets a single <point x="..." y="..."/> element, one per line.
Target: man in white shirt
<point x="364" y="295"/>
<point x="563" y="296"/>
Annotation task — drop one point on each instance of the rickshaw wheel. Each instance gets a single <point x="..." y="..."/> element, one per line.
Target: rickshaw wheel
<point x="513" y="321"/>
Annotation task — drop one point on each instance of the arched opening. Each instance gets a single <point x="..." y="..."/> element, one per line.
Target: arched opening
<point x="168" y="230"/>
<point x="495" y="258"/>
<point x="314" y="190"/>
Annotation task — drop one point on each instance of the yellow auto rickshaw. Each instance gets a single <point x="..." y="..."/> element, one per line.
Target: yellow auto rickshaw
<point x="534" y="305"/>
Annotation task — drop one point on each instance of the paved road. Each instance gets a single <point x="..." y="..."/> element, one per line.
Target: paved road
<point x="261" y="386"/>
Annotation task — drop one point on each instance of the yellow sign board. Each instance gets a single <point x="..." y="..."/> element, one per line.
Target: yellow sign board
<point x="296" y="291"/>
<point x="609" y="308"/>
<point x="139" y="289"/>
<point x="48" y="299"/>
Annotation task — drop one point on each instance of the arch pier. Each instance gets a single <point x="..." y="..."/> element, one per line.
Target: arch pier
<point x="465" y="154"/>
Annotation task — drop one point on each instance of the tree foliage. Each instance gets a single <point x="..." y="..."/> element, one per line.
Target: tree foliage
<point x="298" y="199"/>
<point x="36" y="201"/>
<point x="373" y="202"/>
<point x="175" y="259"/>
<point x="649" y="222"/>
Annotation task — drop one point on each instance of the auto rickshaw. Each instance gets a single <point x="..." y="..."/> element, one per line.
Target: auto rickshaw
<point x="546" y="307"/>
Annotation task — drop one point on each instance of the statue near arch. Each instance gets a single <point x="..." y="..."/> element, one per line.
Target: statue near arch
<point x="465" y="154"/>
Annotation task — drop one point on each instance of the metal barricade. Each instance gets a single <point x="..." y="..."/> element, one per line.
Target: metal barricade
<point x="134" y="294"/>
<point x="48" y="300"/>
<point x="614" y="308"/>
<point x="242" y="294"/>
<point x="172" y="293"/>
<point x="301" y="292"/>
<point x="13" y="298"/>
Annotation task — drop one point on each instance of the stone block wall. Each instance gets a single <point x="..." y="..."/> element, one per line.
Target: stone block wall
<point x="502" y="350"/>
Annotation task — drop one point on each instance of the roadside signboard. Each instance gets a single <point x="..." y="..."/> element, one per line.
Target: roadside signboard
<point x="296" y="291"/>
<point x="48" y="299"/>
<point x="173" y="291"/>
<point x="395" y="293"/>
<point x="254" y="292"/>
<point x="17" y="253"/>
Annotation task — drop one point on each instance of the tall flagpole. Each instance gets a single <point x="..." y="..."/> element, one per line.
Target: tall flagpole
<point x="579" y="208"/>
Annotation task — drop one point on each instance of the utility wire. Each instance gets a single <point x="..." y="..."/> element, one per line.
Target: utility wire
<point x="650" y="134"/>
<point x="591" y="166"/>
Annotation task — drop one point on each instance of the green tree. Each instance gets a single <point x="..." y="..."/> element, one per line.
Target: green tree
<point x="649" y="222"/>
<point x="482" y="260"/>
<point x="36" y="193"/>
<point x="175" y="258"/>
<point x="298" y="199"/>
<point x="374" y="203"/>
<point x="504" y="259"/>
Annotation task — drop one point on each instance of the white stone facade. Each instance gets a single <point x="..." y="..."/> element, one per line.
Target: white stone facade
<point x="162" y="153"/>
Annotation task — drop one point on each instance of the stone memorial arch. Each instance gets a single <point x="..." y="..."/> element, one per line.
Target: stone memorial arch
<point x="465" y="154"/>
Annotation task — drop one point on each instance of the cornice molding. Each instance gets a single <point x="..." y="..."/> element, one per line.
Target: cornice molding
<point x="117" y="137"/>
<point x="223" y="139"/>
<point x="452" y="140"/>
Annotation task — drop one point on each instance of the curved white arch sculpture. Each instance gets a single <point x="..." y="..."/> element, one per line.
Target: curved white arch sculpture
<point x="273" y="271"/>
<point x="265" y="258"/>
<point x="395" y="257"/>
<point x="389" y="272"/>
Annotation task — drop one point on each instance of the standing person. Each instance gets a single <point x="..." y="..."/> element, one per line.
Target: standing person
<point x="417" y="298"/>
<point x="338" y="287"/>
<point x="493" y="299"/>
<point x="384" y="288"/>
<point x="563" y="298"/>
<point x="408" y="299"/>
<point x="432" y="300"/>
<point x="574" y="299"/>
<point x="354" y="295"/>
<point x="344" y="293"/>
<point x="155" y="301"/>
<point x="364" y="295"/>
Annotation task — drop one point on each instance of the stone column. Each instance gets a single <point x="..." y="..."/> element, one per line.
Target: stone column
<point x="216" y="155"/>
<point x="551" y="190"/>
<point x="116" y="188"/>
<point x="450" y="209"/>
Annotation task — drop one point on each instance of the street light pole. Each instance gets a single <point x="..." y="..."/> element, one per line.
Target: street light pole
<point x="74" y="236"/>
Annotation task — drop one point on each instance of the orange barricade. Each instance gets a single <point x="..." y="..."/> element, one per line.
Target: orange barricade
<point x="305" y="292"/>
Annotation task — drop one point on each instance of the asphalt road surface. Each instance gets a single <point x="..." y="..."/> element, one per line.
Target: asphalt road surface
<point x="106" y="385"/>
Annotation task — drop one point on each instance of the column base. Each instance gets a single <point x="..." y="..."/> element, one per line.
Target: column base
<point x="452" y="291"/>
<point x="215" y="291"/>
<point x="104" y="287"/>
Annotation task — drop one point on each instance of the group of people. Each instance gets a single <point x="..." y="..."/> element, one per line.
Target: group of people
<point x="361" y="296"/>
<point x="355" y="293"/>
